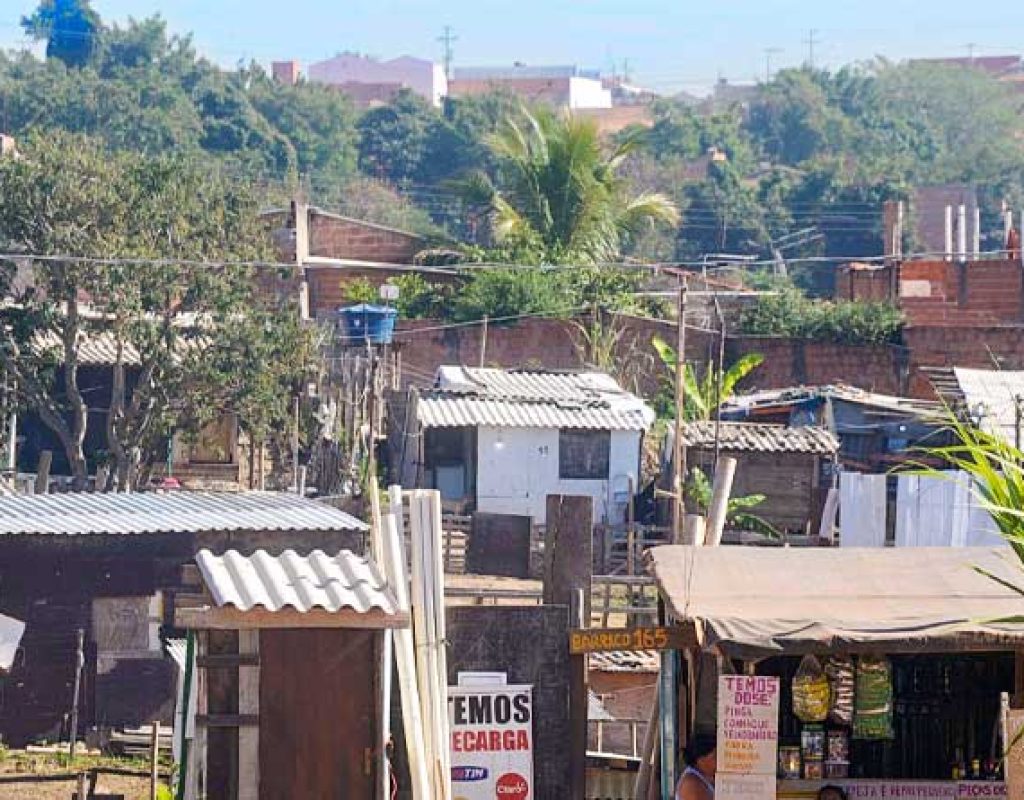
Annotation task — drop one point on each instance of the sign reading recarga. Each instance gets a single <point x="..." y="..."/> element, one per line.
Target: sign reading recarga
<point x="492" y="742"/>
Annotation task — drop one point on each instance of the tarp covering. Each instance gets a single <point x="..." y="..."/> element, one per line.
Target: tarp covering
<point x="771" y="600"/>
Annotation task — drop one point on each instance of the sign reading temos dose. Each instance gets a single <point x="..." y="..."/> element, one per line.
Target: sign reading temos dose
<point x="492" y="742"/>
<point x="748" y="737"/>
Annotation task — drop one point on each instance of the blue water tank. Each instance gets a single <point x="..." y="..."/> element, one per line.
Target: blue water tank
<point x="368" y="322"/>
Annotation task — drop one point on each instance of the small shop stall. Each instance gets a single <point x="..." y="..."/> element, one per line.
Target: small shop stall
<point x="892" y="672"/>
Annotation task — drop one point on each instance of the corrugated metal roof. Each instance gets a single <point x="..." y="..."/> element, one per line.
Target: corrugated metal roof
<point x="174" y="512"/>
<point x="531" y="399"/>
<point x="752" y="437"/>
<point x="290" y="580"/>
<point x="770" y="398"/>
<point x="625" y="661"/>
<point x="993" y="398"/>
<point x="94" y="348"/>
<point x="452" y="411"/>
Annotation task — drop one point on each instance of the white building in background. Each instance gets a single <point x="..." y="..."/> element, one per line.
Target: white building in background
<point x="565" y="86"/>
<point x="501" y="441"/>
<point x="368" y="78"/>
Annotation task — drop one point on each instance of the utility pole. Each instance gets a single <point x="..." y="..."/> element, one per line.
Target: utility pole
<point x="810" y="41"/>
<point x="768" y="53"/>
<point x="447" y="40"/>
<point x="971" y="46"/>
<point x="678" y="447"/>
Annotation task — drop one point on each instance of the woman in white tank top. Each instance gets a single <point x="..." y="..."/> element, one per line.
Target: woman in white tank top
<point x="698" y="779"/>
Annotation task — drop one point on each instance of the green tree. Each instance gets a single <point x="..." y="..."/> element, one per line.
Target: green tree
<point x="558" y="191"/>
<point x="178" y="326"/>
<point x="70" y="28"/>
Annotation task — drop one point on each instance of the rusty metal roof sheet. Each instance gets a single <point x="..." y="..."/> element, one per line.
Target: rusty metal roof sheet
<point x="467" y="396"/>
<point x="172" y="512"/>
<point x="290" y="580"/>
<point x="756" y="438"/>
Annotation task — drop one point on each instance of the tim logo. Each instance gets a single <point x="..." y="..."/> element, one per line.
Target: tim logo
<point x="466" y="774"/>
<point x="511" y="786"/>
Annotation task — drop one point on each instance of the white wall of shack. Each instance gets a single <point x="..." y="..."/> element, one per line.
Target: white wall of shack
<point x="517" y="468"/>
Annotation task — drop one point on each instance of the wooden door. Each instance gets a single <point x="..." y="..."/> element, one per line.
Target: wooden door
<point x="317" y="714"/>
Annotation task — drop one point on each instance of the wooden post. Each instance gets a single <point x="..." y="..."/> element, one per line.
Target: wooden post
<point x="568" y="573"/>
<point x="483" y="341"/>
<point x="83" y="786"/>
<point x="154" y="759"/>
<point x="578" y="705"/>
<point x="725" y="470"/>
<point x="679" y="449"/>
<point x="568" y="550"/>
<point x="100" y="484"/>
<point x="249" y="703"/>
<point x="43" y="472"/>
<point x="643" y="776"/>
<point x="295" y="445"/>
<point x="76" y="691"/>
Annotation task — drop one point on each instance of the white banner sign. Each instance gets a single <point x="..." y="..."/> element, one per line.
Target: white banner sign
<point x="748" y="725"/>
<point x="492" y="742"/>
<point x="744" y="787"/>
<point x="923" y="790"/>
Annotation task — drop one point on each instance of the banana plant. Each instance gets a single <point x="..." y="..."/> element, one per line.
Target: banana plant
<point x="702" y="395"/>
<point x="737" y="512"/>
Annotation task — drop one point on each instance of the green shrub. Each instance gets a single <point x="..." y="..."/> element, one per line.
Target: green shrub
<point x="792" y="314"/>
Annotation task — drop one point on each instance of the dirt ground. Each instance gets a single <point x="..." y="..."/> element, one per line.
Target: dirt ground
<point x="17" y="763"/>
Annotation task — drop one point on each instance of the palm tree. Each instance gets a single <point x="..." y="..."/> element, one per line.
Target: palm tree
<point x="704" y="395"/>
<point x="558" y="191"/>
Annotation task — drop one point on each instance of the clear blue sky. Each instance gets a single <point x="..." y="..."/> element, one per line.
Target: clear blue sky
<point x="670" y="44"/>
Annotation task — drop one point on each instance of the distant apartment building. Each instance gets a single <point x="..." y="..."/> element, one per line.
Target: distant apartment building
<point x="286" y="72"/>
<point x="996" y="66"/>
<point x="369" y="80"/>
<point x="564" y="86"/>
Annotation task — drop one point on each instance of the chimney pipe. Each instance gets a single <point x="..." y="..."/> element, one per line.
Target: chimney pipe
<point x="948" y="251"/>
<point x="961" y="233"/>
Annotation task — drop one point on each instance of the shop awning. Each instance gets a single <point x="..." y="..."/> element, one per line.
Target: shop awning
<point x="760" y="601"/>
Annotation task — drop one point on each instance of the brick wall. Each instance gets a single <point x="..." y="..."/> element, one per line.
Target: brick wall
<point x="332" y="236"/>
<point x="981" y="347"/>
<point x="557" y="344"/>
<point x="863" y="282"/>
<point x="937" y="293"/>
<point x="795" y="362"/>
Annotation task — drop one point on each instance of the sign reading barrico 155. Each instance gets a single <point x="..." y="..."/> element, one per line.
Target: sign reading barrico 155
<point x="491" y="742"/>
<point x="605" y="640"/>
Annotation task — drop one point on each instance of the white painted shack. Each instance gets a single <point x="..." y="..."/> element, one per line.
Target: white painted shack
<point x="501" y="441"/>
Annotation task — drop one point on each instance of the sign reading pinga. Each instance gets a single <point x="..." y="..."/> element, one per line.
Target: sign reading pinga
<point x="491" y="742"/>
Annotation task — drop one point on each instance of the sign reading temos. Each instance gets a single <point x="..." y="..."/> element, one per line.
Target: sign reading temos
<point x="491" y="742"/>
<point x="748" y="737"/>
<point x="605" y="640"/>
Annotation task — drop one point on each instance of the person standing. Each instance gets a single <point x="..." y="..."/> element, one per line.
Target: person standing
<point x="698" y="779"/>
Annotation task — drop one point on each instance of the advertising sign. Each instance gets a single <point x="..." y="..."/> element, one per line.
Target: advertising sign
<point x="923" y="790"/>
<point x="600" y="640"/>
<point x="492" y="742"/>
<point x="748" y="737"/>
<point x="748" y="724"/>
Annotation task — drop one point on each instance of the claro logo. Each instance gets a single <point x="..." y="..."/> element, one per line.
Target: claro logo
<point x="511" y="786"/>
<point x="465" y="774"/>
